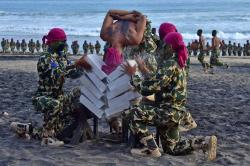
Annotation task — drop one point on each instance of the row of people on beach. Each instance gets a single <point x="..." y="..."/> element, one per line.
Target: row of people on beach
<point x="225" y="49"/>
<point x="163" y="67"/>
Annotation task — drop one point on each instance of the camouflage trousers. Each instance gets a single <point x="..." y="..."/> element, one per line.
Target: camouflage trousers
<point x="57" y="113"/>
<point x="214" y="59"/>
<point x="168" y="122"/>
<point x="201" y="59"/>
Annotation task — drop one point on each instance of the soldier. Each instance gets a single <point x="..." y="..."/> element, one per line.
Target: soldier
<point x="75" y="47"/>
<point x="85" y="47"/>
<point x="239" y="49"/>
<point x="91" y="48"/>
<point x="12" y="46"/>
<point x="202" y="47"/>
<point x="234" y="49"/>
<point x="230" y="48"/>
<point x="3" y="45"/>
<point x="23" y="46"/>
<point x="32" y="46"/>
<point x="97" y="47"/>
<point x="59" y="109"/>
<point x="247" y="48"/>
<point x="38" y="46"/>
<point x="169" y="115"/>
<point x="44" y="47"/>
<point x="155" y="37"/>
<point x="18" y="45"/>
<point x="208" y="51"/>
<point x="7" y="46"/>
<point x="224" y="48"/>
<point x="216" y="44"/>
<point x="189" y="49"/>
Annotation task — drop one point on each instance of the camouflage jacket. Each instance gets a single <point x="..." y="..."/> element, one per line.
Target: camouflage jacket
<point x="168" y="84"/>
<point x="52" y="70"/>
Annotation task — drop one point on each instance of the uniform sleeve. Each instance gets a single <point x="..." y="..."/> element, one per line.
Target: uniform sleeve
<point x="154" y="83"/>
<point x="73" y="72"/>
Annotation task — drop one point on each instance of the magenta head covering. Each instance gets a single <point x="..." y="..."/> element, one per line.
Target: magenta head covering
<point x="55" y="34"/>
<point x="176" y="41"/>
<point x="166" y="28"/>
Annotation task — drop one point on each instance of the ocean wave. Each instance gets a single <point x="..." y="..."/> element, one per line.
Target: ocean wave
<point x="221" y="34"/>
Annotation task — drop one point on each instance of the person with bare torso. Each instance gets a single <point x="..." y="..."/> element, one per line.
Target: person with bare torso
<point x="120" y="28"/>
<point x="216" y="44"/>
<point x="202" y="47"/>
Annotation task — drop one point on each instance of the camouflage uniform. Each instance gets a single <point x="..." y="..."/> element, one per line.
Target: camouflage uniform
<point x="12" y="46"/>
<point x="32" y="46"/>
<point x="85" y="47"/>
<point x="75" y="47"/>
<point x="91" y="48"/>
<point x="224" y="49"/>
<point x="169" y="114"/>
<point x="230" y="49"/>
<point x="24" y="46"/>
<point x="38" y="46"/>
<point x="239" y="50"/>
<point x="201" y="57"/>
<point x="214" y="59"/>
<point x="7" y="46"/>
<point x="56" y="106"/>
<point x="97" y="47"/>
<point x="234" y="49"/>
<point x="208" y="51"/>
<point x="248" y="49"/>
<point x="18" y="45"/>
<point x="3" y="45"/>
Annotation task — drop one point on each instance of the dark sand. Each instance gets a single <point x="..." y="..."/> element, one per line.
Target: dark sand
<point x="220" y="103"/>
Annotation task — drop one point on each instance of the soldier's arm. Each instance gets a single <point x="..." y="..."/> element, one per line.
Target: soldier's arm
<point x="136" y="35"/>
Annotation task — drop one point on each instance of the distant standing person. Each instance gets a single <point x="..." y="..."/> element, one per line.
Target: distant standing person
<point x="7" y="46"/>
<point x="230" y="48"/>
<point x="224" y="48"/>
<point x="208" y="51"/>
<point x="248" y="48"/>
<point x="91" y="48"/>
<point x="3" y="45"/>
<point x="155" y="37"/>
<point x="38" y="46"/>
<point x="216" y="44"/>
<point x="97" y="47"/>
<point x="12" y="46"/>
<point x="32" y="46"/>
<point x="18" y="46"/>
<point x="75" y="47"/>
<point x="234" y="49"/>
<point x="239" y="49"/>
<point x="23" y="46"/>
<point x="85" y="47"/>
<point x="202" y="47"/>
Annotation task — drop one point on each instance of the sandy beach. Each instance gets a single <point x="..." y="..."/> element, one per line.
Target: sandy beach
<point x="220" y="103"/>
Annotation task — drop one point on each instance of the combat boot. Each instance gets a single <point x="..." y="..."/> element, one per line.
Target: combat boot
<point x="208" y="144"/>
<point x="151" y="149"/>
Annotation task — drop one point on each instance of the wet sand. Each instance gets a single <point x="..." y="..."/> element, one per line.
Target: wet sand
<point x="220" y="103"/>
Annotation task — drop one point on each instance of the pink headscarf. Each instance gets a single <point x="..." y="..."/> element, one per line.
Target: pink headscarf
<point x="176" y="41"/>
<point x="166" y="28"/>
<point x="55" y="34"/>
<point x="112" y="60"/>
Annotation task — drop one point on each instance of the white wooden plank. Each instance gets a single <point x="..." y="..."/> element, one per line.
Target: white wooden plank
<point x="88" y="84"/>
<point x="85" y="101"/>
<point x="97" y="102"/>
<point x="117" y="109"/>
<point x="115" y="74"/>
<point x="96" y="63"/>
<point x="97" y="82"/>
<point x="115" y="84"/>
<point x="119" y="90"/>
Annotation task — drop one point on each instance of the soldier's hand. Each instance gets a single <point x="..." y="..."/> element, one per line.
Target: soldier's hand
<point x="82" y="63"/>
<point x="130" y="70"/>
